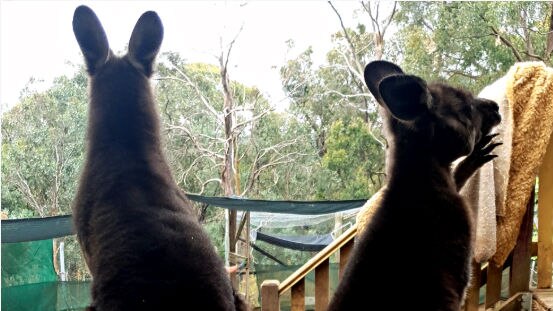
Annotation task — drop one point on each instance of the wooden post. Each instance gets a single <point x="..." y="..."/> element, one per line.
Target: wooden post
<point x="545" y="219"/>
<point x="493" y="285"/>
<point x="520" y="269"/>
<point x="322" y="286"/>
<point x="269" y="296"/>
<point x="345" y="251"/>
<point x="298" y="296"/>
<point x="232" y="247"/>
<point x="473" y="295"/>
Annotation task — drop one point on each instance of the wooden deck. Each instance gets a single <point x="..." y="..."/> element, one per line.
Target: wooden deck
<point x="545" y="296"/>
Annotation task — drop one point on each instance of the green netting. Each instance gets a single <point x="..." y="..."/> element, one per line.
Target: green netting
<point x="27" y="263"/>
<point x="54" y="296"/>
<point x="29" y="282"/>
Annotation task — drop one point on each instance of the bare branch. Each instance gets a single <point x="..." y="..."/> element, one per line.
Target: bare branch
<point x="503" y="39"/>
<point x="374" y="21"/>
<point x="346" y="95"/>
<point x="549" y="46"/>
<point x="507" y="43"/>
<point x="195" y="141"/>
<point x="534" y="56"/>
<point x="205" y="183"/>
<point x="198" y="92"/>
<point x="358" y="67"/>
<point x="461" y="73"/>
<point x="243" y="123"/>
<point x="526" y="37"/>
<point x="231" y="44"/>
<point x="389" y="19"/>
<point x="28" y="193"/>
<point x="351" y="68"/>
<point x="184" y="175"/>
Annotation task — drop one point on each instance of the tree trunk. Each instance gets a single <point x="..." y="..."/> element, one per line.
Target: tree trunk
<point x="228" y="175"/>
<point x="549" y="48"/>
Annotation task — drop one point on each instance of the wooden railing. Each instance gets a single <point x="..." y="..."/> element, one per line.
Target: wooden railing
<point x="519" y="291"/>
<point x="518" y="265"/>
<point x="271" y="290"/>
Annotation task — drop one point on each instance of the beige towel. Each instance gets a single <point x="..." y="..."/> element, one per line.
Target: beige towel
<point x="530" y="95"/>
<point x="485" y="190"/>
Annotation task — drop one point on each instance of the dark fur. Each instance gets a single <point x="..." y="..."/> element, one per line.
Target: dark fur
<point x="415" y="253"/>
<point x="141" y="238"/>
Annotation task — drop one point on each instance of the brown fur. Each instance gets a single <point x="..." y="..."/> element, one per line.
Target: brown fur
<point x="141" y="238"/>
<point x="415" y="252"/>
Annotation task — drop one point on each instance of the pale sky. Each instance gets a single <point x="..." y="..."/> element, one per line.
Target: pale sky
<point x="36" y="37"/>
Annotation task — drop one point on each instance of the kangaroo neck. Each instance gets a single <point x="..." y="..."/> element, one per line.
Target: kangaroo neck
<point x="411" y="163"/>
<point x="124" y="120"/>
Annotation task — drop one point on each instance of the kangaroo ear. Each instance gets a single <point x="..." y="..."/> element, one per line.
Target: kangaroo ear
<point x="91" y="37"/>
<point x="407" y="97"/>
<point x="145" y="41"/>
<point x="375" y="72"/>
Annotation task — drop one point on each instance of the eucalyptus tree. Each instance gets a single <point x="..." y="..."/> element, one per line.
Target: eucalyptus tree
<point x="473" y="43"/>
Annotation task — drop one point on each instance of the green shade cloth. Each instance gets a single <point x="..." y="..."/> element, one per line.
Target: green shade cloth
<point x="31" y="229"/>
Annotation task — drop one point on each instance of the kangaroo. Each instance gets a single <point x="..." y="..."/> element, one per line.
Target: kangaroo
<point x="140" y="237"/>
<point x="416" y="251"/>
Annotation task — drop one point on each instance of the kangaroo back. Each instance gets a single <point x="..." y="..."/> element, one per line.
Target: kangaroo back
<point x="141" y="239"/>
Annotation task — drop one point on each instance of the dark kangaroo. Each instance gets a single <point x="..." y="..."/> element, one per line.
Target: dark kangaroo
<point x="416" y="251"/>
<point x="141" y="239"/>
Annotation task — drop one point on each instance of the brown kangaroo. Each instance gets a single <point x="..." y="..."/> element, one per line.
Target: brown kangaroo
<point x="416" y="251"/>
<point x="141" y="239"/>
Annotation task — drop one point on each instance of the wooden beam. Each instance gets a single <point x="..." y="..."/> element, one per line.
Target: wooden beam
<point x="322" y="285"/>
<point x="545" y="219"/>
<point x="319" y="257"/>
<point x="241" y="225"/>
<point x="298" y="296"/>
<point x="248" y="261"/>
<point x="520" y="270"/>
<point x="269" y="296"/>
<point x="345" y="252"/>
<point x="493" y="286"/>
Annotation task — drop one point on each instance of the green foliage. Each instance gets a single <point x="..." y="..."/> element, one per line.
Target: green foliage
<point x="42" y="149"/>
<point x="327" y="98"/>
<point x="467" y="43"/>
<point x="356" y="157"/>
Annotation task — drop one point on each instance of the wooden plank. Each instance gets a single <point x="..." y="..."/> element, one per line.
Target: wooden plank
<point x="520" y="269"/>
<point x="345" y="252"/>
<point x="545" y="296"/>
<point x="298" y="296"/>
<point x="512" y="304"/>
<point x="322" y="285"/>
<point x="269" y="296"/>
<point x="493" y="286"/>
<point x="545" y="219"/>
<point x="473" y="293"/>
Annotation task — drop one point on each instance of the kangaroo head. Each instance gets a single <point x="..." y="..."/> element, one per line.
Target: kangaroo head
<point x="143" y="46"/>
<point x="448" y="120"/>
<point x="122" y="107"/>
